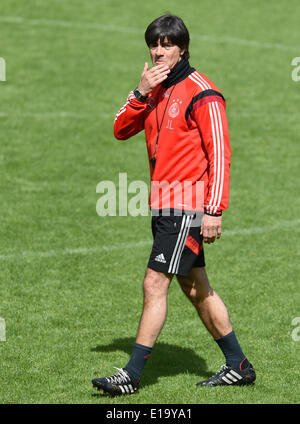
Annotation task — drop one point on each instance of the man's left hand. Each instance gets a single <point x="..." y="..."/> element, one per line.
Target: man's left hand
<point x="211" y="228"/>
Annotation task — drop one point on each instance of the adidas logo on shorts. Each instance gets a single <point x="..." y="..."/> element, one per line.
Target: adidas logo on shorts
<point x="160" y="258"/>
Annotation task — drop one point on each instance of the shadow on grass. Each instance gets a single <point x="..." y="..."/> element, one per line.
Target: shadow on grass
<point x="165" y="360"/>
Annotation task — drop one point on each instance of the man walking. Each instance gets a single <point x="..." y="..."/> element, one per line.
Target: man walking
<point x="183" y="115"/>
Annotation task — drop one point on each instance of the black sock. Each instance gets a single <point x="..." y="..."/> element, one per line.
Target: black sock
<point x="232" y="351"/>
<point x="138" y="360"/>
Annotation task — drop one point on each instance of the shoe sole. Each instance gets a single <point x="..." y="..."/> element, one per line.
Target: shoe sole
<point x="114" y="391"/>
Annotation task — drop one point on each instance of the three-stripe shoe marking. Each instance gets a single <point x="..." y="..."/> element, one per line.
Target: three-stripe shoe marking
<point x="231" y="377"/>
<point x="127" y="389"/>
<point x="117" y="384"/>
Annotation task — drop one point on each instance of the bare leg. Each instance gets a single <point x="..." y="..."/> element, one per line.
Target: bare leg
<point x="156" y="285"/>
<point x="208" y="304"/>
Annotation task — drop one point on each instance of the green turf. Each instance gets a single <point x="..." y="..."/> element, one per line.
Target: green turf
<point x="72" y="315"/>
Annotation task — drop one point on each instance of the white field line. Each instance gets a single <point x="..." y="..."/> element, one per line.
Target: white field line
<point x="132" y="30"/>
<point x="264" y="114"/>
<point x="95" y="116"/>
<point x="141" y="243"/>
<point x="75" y="251"/>
<point x="56" y="115"/>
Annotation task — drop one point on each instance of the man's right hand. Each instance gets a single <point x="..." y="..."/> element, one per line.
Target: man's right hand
<point x="150" y="78"/>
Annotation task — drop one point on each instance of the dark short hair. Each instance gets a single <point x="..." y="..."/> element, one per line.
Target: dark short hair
<point x="172" y="28"/>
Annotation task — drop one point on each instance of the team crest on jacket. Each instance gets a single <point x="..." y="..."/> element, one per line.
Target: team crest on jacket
<point x="175" y="108"/>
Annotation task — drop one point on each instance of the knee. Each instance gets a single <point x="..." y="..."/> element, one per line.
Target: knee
<point x="155" y="284"/>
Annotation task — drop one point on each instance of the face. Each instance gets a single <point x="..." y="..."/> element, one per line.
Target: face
<point x="165" y="53"/>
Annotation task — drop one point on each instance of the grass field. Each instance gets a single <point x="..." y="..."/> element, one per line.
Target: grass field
<point x="70" y="280"/>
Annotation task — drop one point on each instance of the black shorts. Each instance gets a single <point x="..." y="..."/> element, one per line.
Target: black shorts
<point x="177" y="246"/>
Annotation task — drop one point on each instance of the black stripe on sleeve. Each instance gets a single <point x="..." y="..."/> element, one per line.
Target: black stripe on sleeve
<point x="200" y="96"/>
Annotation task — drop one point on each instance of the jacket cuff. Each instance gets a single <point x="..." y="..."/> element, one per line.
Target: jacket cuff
<point x="214" y="214"/>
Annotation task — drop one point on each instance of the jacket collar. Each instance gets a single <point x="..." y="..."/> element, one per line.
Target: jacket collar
<point x="181" y="70"/>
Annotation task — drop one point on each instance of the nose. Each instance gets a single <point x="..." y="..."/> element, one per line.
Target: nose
<point x="158" y="50"/>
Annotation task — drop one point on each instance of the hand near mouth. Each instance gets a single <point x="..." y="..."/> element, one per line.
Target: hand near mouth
<point x="150" y="78"/>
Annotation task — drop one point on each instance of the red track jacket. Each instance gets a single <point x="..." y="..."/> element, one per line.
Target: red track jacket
<point x="193" y="144"/>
